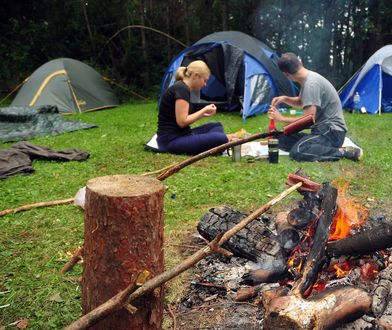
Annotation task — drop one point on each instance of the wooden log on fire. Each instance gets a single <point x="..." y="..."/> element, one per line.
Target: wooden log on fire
<point x="123" y="237"/>
<point x="317" y="256"/>
<point x="326" y="311"/>
<point x="369" y="241"/>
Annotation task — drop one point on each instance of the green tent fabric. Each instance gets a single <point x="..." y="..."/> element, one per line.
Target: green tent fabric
<point x="69" y="84"/>
<point x="24" y="123"/>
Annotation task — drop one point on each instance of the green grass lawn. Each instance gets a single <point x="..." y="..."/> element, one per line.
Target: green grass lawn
<point x="34" y="244"/>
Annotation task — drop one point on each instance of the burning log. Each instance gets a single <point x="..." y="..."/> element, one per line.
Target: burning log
<point x="316" y="258"/>
<point x="328" y="310"/>
<point x="375" y="239"/>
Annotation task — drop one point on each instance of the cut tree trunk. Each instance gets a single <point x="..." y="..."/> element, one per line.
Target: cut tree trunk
<point x="327" y="311"/>
<point x="123" y="237"/>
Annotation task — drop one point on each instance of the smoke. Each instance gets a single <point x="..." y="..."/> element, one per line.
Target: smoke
<point x="302" y="27"/>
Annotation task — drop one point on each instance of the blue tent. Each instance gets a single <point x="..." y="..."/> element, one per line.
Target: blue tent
<point x="373" y="83"/>
<point x="244" y="73"/>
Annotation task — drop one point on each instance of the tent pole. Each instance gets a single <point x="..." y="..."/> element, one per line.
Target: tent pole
<point x="73" y="95"/>
<point x="43" y="85"/>
<point x="14" y="90"/>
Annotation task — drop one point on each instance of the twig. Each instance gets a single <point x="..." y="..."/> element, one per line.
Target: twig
<point x="36" y="205"/>
<point x="73" y="261"/>
<point x="73" y="279"/>
<point x="113" y="304"/>
<point x="173" y="316"/>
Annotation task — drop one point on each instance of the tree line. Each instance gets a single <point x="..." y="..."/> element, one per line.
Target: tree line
<point x="132" y="41"/>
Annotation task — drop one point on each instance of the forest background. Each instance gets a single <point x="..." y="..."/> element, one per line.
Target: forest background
<point x="132" y="41"/>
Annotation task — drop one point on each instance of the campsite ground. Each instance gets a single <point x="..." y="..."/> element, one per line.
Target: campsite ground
<point x="35" y="244"/>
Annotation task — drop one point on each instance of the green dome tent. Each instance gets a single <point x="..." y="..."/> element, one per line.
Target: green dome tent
<point x="69" y="84"/>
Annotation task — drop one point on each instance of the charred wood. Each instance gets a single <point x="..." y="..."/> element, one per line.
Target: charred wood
<point x="288" y="236"/>
<point x="326" y="311"/>
<point x="265" y="276"/>
<point x="375" y="239"/>
<point x="317" y="257"/>
<point x="255" y="242"/>
<point x="300" y="217"/>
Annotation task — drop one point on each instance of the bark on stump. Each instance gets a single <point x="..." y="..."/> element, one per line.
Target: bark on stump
<point x="123" y="236"/>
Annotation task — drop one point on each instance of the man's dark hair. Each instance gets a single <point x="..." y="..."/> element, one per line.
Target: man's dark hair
<point x="289" y="63"/>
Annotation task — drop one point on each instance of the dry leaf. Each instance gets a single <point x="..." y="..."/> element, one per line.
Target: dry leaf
<point x="56" y="297"/>
<point x="22" y="324"/>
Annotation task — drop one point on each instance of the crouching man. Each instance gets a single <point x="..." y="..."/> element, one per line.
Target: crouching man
<point x="318" y="98"/>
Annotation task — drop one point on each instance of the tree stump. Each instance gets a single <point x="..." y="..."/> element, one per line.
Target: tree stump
<point x="123" y="237"/>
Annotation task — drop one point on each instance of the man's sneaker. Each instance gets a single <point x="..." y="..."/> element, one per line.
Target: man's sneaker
<point x="352" y="153"/>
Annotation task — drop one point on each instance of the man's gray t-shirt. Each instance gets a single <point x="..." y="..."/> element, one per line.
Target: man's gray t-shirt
<point x="318" y="91"/>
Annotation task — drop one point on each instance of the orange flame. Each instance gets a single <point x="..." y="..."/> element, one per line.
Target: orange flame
<point x="339" y="272"/>
<point x="295" y="262"/>
<point x="350" y="214"/>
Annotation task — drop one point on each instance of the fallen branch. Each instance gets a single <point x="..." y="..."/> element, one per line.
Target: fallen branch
<point x="36" y="205"/>
<point x="113" y="304"/>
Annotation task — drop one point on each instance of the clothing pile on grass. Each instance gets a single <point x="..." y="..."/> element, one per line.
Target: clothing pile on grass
<point x="19" y="157"/>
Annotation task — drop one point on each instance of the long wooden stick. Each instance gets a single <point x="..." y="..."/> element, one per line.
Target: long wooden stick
<point x="167" y="171"/>
<point x="41" y="204"/>
<point x="213" y="151"/>
<point x="97" y="314"/>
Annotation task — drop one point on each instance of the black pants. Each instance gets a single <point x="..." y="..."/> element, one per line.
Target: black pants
<point x="322" y="144"/>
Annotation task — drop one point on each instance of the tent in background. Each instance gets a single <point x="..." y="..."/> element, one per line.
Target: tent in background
<point x="69" y="84"/>
<point x="373" y="83"/>
<point x="244" y="73"/>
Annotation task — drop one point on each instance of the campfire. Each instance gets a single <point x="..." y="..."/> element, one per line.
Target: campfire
<point x="323" y="264"/>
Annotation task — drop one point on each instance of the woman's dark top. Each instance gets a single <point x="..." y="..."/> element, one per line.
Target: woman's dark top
<point x="167" y="123"/>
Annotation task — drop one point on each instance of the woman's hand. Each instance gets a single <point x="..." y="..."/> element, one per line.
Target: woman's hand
<point x="209" y="110"/>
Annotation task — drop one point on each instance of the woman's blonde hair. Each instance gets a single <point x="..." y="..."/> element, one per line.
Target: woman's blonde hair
<point x="198" y="67"/>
